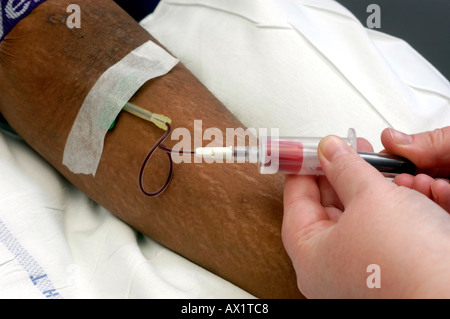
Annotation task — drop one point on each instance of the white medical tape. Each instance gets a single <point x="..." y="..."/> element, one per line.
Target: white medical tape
<point x="84" y="145"/>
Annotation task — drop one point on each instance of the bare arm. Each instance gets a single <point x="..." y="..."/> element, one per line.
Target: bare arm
<point x="226" y="218"/>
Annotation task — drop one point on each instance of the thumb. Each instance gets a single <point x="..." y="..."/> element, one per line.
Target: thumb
<point x="348" y="173"/>
<point x="428" y="150"/>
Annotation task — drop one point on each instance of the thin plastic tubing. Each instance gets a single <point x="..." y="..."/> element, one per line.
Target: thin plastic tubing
<point x="138" y="111"/>
<point x="169" y="152"/>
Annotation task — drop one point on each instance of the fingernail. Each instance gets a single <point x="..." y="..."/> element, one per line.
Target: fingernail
<point x="433" y="195"/>
<point x="400" y="138"/>
<point x="331" y="147"/>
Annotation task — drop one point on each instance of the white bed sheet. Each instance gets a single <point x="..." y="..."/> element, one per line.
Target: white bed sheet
<point x="306" y="67"/>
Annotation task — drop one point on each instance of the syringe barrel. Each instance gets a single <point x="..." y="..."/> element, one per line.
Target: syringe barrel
<point x="293" y="155"/>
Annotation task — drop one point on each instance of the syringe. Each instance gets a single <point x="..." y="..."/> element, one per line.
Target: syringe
<point x="298" y="156"/>
<point x="285" y="155"/>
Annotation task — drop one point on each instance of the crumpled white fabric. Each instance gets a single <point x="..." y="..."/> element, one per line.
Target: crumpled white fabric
<point x="53" y="235"/>
<point x="307" y="67"/>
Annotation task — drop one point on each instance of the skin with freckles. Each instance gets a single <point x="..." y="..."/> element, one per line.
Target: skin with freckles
<point x="226" y="218"/>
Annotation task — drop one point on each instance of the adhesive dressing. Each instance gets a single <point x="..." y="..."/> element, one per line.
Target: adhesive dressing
<point x="109" y="95"/>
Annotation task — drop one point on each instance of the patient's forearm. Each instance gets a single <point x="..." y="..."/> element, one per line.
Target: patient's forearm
<point x="224" y="217"/>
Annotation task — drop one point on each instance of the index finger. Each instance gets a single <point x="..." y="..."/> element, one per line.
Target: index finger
<point x="427" y="150"/>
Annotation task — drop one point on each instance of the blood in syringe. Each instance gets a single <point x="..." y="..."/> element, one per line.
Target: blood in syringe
<point x="290" y="155"/>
